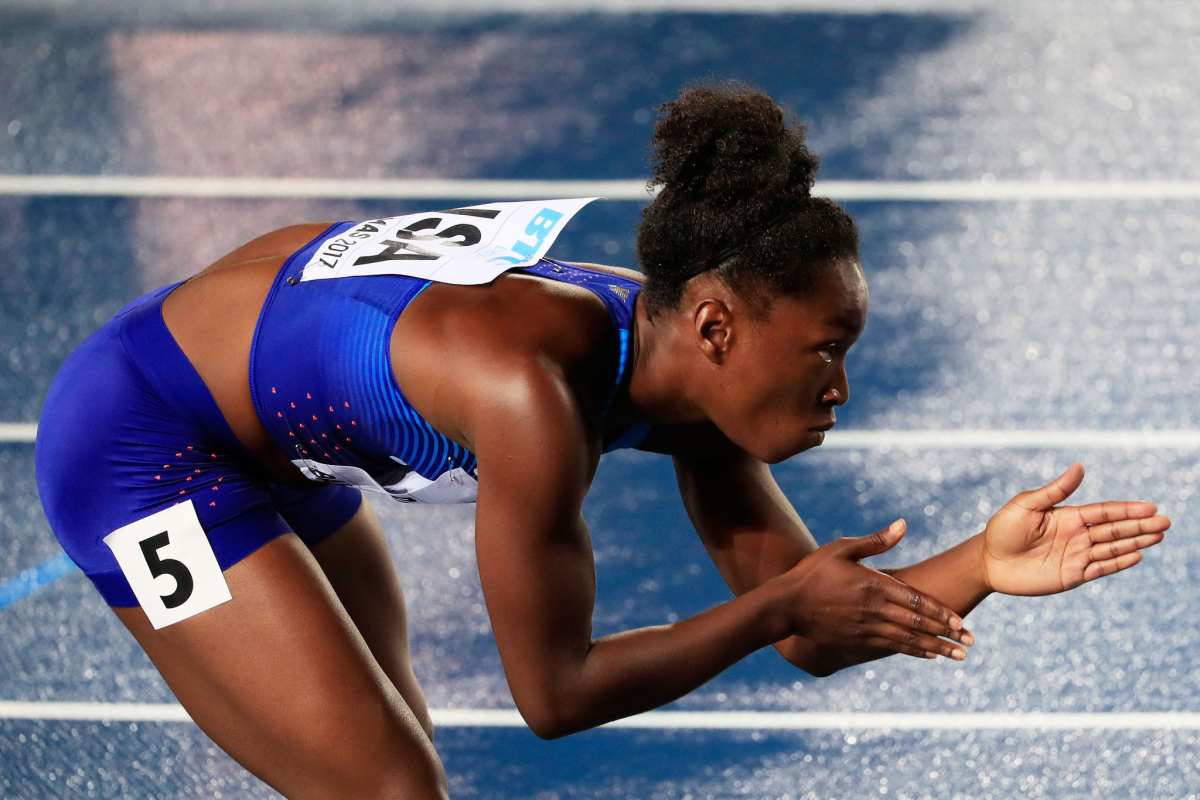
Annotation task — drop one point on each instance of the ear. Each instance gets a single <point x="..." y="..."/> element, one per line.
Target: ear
<point x="713" y="323"/>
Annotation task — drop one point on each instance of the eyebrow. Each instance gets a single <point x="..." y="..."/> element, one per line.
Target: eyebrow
<point x="848" y="321"/>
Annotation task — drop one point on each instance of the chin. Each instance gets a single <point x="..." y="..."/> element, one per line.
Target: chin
<point x="779" y="454"/>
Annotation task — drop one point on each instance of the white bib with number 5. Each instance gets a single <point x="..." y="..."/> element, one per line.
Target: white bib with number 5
<point x="170" y="565"/>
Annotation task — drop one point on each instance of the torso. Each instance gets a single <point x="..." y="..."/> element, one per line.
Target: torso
<point x="213" y="318"/>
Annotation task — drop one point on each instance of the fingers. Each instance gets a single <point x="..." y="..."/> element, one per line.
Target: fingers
<point x="1126" y="528"/>
<point x="906" y="597"/>
<point x="1097" y="513"/>
<point x="860" y="547"/>
<point x="1117" y="545"/>
<point x="1102" y="569"/>
<point x="904" y="640"/>
<point x="1054" y="492"/>
<point x="891" y="646"/>
<point x="907" y="618"/>
<point x="1120" y="547"/>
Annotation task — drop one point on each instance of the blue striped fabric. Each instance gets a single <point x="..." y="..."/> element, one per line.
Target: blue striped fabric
<point x="322" y="376"/>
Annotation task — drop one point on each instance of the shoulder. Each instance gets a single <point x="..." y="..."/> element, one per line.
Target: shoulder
<point x="620" y="272"/>
<point x="461" y="351"/>
<point x="520" y="314"/>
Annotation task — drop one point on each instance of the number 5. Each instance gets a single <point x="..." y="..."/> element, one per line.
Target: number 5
<point x="170" y="542"/>
<point x="167" y="566"/>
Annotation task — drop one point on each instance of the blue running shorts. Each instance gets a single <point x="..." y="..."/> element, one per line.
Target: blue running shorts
<point x="130" y="430"/>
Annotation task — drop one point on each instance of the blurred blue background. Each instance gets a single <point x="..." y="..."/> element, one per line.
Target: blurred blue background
<point x="1074" y="314"/>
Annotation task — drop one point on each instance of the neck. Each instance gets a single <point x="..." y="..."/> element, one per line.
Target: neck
<point x="657" y="376"/>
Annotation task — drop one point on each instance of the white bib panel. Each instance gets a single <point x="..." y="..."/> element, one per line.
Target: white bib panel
<point x="466" y="246"/>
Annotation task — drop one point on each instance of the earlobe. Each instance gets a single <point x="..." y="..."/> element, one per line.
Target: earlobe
<point x="714" y="329"/>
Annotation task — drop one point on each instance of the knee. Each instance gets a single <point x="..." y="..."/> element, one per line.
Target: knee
<point x="411" y="769"/>
<point x="390" y="760"/>
<point x="404" y="779"/>
<point x="410" y="782"/>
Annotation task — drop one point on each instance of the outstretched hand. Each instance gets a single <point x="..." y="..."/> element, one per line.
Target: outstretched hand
<point x="1033" y="546"/>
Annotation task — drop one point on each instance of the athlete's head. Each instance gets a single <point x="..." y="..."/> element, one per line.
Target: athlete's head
<point x="764" y="276"/>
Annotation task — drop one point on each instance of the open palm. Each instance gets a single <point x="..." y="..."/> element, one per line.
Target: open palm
<point x="1032" y="546"/>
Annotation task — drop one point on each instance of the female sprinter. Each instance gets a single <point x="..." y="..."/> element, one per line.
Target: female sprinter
<point x="181" y="440"/>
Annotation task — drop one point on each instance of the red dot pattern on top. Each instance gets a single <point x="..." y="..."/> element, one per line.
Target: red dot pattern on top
<point x="326" y="416"/>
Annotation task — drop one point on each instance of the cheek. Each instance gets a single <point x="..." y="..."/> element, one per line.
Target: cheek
<point x="771" y="409"/>
<point x="761" y="385"/>
<point x="780" y="386"/>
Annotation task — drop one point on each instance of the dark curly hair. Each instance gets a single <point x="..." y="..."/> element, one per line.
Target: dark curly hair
<point x="736" y="198"/>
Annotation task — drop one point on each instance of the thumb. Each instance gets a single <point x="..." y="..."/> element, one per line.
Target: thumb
<point x="861" y="547"/>
<point x="1053" y="493"/>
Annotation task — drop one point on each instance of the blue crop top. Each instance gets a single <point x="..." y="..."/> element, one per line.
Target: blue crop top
<point x="322" y="380"/>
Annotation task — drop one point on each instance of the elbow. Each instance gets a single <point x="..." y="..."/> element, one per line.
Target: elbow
<point x="549" y="730"/>
<point x="545" y="726"/>
<point x="819" y="670"/>
<point x="551" y="720"/>
<point x="808" y="657"/>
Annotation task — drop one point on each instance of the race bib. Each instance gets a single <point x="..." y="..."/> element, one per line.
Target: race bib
<point x="170" y="565"/>
<point x="453" y="486"/>
<point x="466" y="246"/>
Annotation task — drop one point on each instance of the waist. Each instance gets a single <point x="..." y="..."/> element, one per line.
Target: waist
<point x="154" y="351"/>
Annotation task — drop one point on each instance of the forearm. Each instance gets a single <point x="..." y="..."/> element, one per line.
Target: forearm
<point x="753" y="535"/>
<point x="954" y="577"/>
<point x="821" y="661"/>
<point x="635" y="671"/>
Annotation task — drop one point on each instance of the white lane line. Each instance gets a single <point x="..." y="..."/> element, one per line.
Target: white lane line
<point x="1009" y="190"/>
<point x="783" y="720"/>
<point x="682" y="720"/>
<point x="1012" y="440"/>
<point x="362" y="11"/>
<point x="317" y="188"/>
<point x="709" y="6"/>
<point x="96" y="712"/>
<point x="632" y="189"/>
<point x="17" y="432"/>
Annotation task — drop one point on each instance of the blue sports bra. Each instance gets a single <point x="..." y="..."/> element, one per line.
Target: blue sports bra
<point x="322" y="380"/>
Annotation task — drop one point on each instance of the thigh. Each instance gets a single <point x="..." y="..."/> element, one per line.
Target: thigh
<point x="358" y="565"/>
<point x="281" y="679"/>
<point x="344" y="535"/>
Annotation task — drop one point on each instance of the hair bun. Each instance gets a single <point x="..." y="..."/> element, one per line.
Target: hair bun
<point x="736" y="199"/>
<point x="726" y="143"/>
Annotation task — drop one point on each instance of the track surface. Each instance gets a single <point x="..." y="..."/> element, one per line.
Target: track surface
<point x="1049" y="314"/>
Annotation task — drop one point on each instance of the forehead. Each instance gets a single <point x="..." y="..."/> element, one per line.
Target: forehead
<point x="837" y="307"/>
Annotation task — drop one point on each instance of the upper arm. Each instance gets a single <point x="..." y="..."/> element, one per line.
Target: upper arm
<point x="536" y="460"/>
<point x="743" y="518"/>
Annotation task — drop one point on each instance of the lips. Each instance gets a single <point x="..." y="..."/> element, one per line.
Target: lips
<point x="824" y="427"/>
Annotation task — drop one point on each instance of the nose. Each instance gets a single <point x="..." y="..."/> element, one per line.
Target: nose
<point x="838" y="393"/>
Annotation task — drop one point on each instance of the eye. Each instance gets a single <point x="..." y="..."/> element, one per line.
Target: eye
<point x="827" y="352"/>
